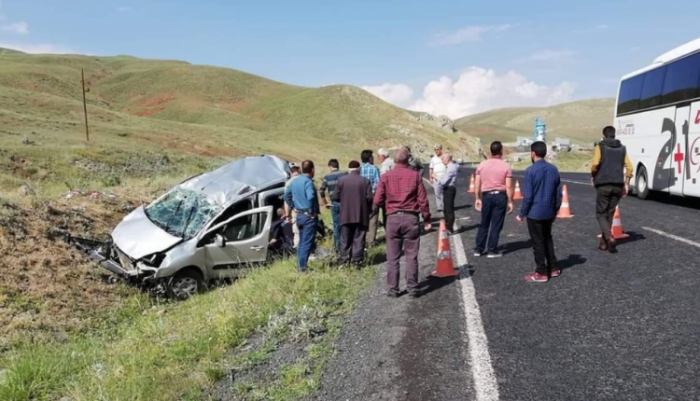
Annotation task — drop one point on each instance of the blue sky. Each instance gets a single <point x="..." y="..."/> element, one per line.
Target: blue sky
<point x="444" y="56"/>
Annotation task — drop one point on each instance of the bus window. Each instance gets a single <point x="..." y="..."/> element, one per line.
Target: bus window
<point x="653" y="85"/>
<point x="681" y="81"/>
<point x="630" y="92"/>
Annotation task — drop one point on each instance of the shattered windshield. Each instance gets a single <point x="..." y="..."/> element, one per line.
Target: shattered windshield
<point x="182" y="212"/>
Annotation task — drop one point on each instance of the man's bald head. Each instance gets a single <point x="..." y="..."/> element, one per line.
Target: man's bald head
<point x="402" y="155"/>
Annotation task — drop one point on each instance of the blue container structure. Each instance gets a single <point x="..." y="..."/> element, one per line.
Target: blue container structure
<point x="540" y="133"/>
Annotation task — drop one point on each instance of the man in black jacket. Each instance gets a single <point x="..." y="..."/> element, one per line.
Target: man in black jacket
<point x="355" y="195"/>
<point x="611" y="172"/>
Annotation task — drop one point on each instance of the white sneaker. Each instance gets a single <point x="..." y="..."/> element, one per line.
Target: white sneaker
<point x="494" y="255"/>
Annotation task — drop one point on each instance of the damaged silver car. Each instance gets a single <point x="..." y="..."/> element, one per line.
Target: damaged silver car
<point x="208" y="228"/>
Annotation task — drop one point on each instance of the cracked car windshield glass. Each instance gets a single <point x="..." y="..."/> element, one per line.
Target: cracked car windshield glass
<point x="182" y="212"/>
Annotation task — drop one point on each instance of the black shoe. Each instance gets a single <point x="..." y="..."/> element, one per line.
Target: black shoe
<point x="612" y="247"/>
<point x="392" y="294"/>
<point x="414" y="294"/>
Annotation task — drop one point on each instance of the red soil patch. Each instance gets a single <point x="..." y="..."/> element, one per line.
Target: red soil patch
<point x="157" y="100"/>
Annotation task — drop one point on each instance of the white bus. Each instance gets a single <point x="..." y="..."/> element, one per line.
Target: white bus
<point x="658" y="119"/>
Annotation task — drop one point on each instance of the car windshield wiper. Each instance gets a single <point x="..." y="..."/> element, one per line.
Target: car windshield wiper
<point x="167" y="226"/>
<point x="187" y="222"/>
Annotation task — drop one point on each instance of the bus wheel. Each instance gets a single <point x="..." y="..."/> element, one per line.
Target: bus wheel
<point x="642" y="183"/>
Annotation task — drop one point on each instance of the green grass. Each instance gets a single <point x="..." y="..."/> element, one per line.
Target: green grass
<point x="175" y="351"/>
<point x="581" y="121"/>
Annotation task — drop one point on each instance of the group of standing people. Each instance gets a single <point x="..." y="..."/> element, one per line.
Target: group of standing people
<point x="611" y="171"/>
<point x="395" y="190"/>
<point x="349" y="195"/>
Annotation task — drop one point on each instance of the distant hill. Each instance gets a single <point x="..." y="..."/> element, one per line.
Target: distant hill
<point x="179" y="107"/>
<point x="581" y="121"/>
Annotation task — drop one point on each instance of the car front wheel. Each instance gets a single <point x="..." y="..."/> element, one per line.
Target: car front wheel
<point x="185" y="284"/>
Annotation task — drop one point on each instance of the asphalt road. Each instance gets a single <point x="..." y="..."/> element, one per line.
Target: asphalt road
<point x="612" y="327"/>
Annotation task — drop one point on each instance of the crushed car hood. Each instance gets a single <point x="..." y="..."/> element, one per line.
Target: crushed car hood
<point x="137" y="236"/>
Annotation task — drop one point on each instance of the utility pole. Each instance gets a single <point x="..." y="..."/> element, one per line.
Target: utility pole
<point x="87" y="130"/>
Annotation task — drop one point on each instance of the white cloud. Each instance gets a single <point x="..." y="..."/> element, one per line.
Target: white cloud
<point x="39" y="48"/>
<point x="20" y="28"/>
<point x="472" y="33"/>
<point x="476" y="90"/>
<point x="635" y="49"/>
<point x="398" y="94"/>
<point x="549" y="55"/>
<point x="123" y="9"/>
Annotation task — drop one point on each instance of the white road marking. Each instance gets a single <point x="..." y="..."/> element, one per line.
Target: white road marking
<point x="482" y="370"/>
<point x="577" y="182"/>
<point x="677" y="238"/>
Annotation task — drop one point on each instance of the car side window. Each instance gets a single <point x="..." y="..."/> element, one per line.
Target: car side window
<point x="245" y="227"/>
<point x="277" y="202"/>
<point x="237" y="208"/>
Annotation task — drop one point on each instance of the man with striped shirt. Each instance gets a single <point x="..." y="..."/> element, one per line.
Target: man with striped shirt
<point x="370" y="172"/>
<point x="328" y="185"/>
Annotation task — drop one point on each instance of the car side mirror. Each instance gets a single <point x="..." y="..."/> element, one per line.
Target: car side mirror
<point x="220" y="240"/>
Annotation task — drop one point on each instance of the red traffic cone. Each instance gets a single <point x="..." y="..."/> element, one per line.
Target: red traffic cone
<point x="444" y="266"/>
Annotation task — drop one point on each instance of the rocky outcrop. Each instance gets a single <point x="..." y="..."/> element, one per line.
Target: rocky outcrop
<point x="442" y="122"/>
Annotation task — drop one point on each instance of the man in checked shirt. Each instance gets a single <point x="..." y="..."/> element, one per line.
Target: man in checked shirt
<point x="402" y="192"/>
<point x="370" y="172"/>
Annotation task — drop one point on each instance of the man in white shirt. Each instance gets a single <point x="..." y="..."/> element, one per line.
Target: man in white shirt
<point x="387" y="163"/>
<point x="437" y="171"/>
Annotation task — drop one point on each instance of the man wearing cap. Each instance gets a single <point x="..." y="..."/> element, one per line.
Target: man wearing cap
<point x="387" y="163"/>
<point x="370" y="172"/>
<point x="329" y="185"/>
<point x="354" y="193"/>
<point x="301" y="196"/>
<point x="403" y="194"/>
<point x="295" y="170"/>
<point x="437" y="171"/>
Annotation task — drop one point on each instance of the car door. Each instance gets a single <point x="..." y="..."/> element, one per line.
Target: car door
<point x="246" y="237"/>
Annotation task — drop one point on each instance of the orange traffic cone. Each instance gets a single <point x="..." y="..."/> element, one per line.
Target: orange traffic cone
<point x="445" y="267"/>
<point x="472" y="187"/>
<point x="565" y="210"/>
<point x="517" y="195"/>
<point x="617" y="231"/>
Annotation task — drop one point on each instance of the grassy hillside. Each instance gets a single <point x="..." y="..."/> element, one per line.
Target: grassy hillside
<point x="580" y="121"/>
<point x="154" y="123"/>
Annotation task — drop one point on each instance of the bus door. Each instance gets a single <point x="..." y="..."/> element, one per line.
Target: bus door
<point x="679" y="151"/>
<point x="691" y="186"/>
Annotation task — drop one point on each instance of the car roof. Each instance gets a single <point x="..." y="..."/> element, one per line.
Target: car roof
<point x="240" y="178"/>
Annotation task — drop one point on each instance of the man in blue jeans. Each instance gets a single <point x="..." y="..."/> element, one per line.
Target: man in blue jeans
<point x="328" y="185"/>
<point x="301" y="197"/>
<point x="494" y="199"/>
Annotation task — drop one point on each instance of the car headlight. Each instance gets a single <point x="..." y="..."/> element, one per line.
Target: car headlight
<point x="154" y="260"/>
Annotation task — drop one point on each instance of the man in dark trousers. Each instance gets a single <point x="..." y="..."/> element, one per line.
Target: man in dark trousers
<point x="611" y="172"/>
<point x="402" y="192"/>
<point x="494" y="199"/>
<point x="328" y="185"/>
<point x="354" y="193"/>
<point x="542" y="199"/>
<point x="281" y="236"/>
<point x="449" y="191"/>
